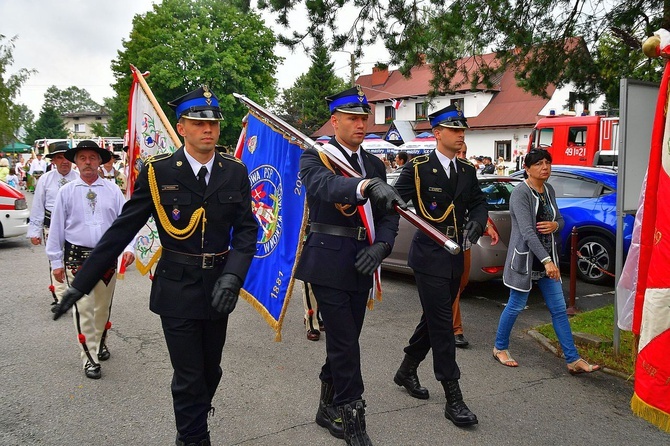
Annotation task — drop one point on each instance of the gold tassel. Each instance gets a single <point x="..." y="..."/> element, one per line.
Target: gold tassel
<point x="653" y="415"/>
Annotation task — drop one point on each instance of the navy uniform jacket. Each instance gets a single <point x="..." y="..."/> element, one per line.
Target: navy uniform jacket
<point x="179" y="290"/>
<point x="435" y="193"/>
<point x="328" y="260"/>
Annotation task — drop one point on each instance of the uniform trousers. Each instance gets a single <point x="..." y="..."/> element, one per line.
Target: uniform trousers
<point x="456" y="306"/>
<point x="343" y="313"/>
<point x="195" y="347"/>
<point x="435" y="329"/>
<point x="91" y="314"/>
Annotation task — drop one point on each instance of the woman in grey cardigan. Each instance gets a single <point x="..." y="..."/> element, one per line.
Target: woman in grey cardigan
<point x="533" y="257"/>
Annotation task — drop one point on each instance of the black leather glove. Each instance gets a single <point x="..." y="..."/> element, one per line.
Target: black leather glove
<point x="369" y="258"/>
<point x="382" y="195"/>
<point x="475" y="231"/>
<point x="225" y="293"/>
<point x="69" y="297"/>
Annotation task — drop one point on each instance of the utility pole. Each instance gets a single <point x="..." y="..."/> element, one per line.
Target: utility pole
<point x="352" y="66"/>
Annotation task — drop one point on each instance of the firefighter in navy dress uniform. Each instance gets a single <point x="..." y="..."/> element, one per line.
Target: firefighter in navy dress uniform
<point x="201" y="203"/>
<point x="340" y="255"/>
<point x="445" y="191"/>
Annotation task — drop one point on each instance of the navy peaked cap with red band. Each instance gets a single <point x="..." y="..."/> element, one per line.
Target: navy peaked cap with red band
<point x="352" y="101"/>
<point x="201" y="104"/>
<point x="449" y="116"/>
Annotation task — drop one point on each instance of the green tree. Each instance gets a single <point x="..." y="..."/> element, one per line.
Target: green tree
<point x="303" y="104"/>
<point x="545" y="41"/>
<point x="185" y="44"/>
<point x="12" y="115"/>
<point x="99" y="129"/>
<point x="49" y="125"/>
<point x="70" y="100"/>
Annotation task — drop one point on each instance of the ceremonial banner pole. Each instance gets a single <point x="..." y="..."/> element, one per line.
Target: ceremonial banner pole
<point x="157" y="107"/>
<point x="304" y="141"/>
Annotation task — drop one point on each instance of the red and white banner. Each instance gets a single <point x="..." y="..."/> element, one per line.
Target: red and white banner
<point x="396" y="103"/>
<point x="651" y="295"/>
<point x="149" y="133"/>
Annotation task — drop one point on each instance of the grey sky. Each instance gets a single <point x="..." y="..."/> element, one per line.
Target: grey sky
<point x="72" y="42"/>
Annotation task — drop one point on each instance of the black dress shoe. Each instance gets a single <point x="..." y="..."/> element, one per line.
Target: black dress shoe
<point x="103" y="354"/>
<point x="460" y="341"/>
<point x="313" y="335"/>
<point x="92" y="371"/>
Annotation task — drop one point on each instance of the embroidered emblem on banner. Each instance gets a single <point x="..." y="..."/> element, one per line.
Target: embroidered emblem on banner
<point x="266" y="196"/>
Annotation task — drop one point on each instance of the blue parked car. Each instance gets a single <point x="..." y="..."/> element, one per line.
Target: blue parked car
<point x="586" y="197"/>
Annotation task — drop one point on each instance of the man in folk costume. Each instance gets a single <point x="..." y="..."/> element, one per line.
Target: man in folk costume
<point x="84" y="209"/>
<point x="109" y="172"/>
<point x="201" y="202"/>
<point x="43" y="204"/>
<point x="352" y="227"/>
<point x="445" y="191"/>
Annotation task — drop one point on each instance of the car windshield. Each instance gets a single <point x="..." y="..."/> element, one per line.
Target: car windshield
<point x="497" y="193"/>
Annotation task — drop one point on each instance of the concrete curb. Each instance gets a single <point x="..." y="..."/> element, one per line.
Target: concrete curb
<point x="546" y="343"/>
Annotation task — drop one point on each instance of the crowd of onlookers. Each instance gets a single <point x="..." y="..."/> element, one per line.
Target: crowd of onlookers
<point x="484" y="164"/>
<point x="22" y="170"/>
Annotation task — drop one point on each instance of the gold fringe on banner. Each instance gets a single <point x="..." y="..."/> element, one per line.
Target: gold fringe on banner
<point x="653" y="415"/>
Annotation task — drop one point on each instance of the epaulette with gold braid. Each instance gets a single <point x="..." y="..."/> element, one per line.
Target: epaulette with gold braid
<point x="420" y="159"/>
<point x="157" y="157"/>
<point x="465" y="161"/>
<point x="230" y="157"/>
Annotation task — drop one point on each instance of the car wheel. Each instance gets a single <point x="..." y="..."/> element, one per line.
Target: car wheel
<point x="597" y="254"/>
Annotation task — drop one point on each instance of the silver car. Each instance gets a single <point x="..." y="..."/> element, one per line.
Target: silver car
<point x="488" y="261"/>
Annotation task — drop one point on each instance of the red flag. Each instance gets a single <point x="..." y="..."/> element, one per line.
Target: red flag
<point x="651" y="310"/>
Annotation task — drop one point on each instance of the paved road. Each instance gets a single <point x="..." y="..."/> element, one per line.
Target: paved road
<point x="269" y="391"/>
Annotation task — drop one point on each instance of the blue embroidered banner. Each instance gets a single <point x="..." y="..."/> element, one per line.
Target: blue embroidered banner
<point x="278" y="202"/>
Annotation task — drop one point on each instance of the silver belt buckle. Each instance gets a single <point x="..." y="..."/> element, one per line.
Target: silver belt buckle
<point x="208" y="260"/>
<point x="362" y="234"/>
<point x="451" y="231"/>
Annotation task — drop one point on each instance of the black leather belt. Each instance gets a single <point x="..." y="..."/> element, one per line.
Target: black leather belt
<point x="450" y="231"/>
<point x="358" y="233"/>
<point x="75" y="254"/>
<point x="205" y="260"/>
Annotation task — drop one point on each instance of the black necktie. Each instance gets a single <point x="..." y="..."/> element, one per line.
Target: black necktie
<point x="355" y="164"/>
<point x="452" y="176"/>
<point x="202" y="174"/>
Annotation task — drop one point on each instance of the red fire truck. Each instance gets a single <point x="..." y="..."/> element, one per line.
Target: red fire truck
<point x="578" y="140"/>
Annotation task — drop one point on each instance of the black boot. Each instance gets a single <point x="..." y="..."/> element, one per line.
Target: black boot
<point x="455" y="409"/>
<point x="406" y="377"/>
<point x="327" y="415"/>
<point x="193" y="442"/>
<point x="353" y="420"/>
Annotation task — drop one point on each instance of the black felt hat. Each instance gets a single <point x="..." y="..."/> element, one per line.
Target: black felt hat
<point x="87" y="144"/>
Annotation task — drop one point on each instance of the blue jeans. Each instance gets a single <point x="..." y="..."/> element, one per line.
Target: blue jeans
<point x="553" y="296"/>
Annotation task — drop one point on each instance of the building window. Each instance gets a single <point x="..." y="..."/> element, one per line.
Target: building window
<point x="421" y="110"/>
<point x="80" y="128"/>
<point x="389" y="114"/>
<point x="458" y="103"/>
<point x="504" y="149"/>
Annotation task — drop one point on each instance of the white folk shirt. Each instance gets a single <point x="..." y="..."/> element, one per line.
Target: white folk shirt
<point x="37" y="166"/>
<point x="45" y="197"/>
<point x="81" y="215"/>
